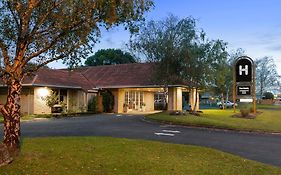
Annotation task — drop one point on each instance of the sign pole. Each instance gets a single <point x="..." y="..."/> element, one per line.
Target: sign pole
<point x="234" y="88"/>
<point x="254" y="90"/>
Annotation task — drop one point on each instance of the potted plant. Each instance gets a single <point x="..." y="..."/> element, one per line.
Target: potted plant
<point x="142" y="106"/>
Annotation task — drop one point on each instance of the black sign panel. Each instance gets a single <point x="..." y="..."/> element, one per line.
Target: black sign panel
<point x="243" y="69"/>
<point x="243" y="90"/>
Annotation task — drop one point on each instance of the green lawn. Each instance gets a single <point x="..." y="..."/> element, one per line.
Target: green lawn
<point x="100" y="155"/>
<point x="30" y="117"/>
<point x="269" y="120"/>
<point x="261" y="106"/>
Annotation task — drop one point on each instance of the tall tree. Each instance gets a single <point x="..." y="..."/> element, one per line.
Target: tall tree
<point x="109" y="57"/>
<point x="221" y="69"/>
<point x="266" y="74"/>
<point x="162" y="42"/>
<point x="223" y="75"/>
<point x="180" y="49"/>
<point x="44" y="31"/>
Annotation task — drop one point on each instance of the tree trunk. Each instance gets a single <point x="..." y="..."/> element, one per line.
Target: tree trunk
<point x="11" y="113"/>
<point x="227" y="94"/>
<point x="165" y="97"/>
<point x="222" y="101"/>
<point x="196" y="98"/>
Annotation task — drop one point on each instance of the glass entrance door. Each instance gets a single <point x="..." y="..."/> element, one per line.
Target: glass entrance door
<point x="134" y="100"/>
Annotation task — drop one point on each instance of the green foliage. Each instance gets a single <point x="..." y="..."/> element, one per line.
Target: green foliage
<point x="181" y="51"/>
<point x="107" y="101"/>
<point x="92" y="104"/>
<point x="109" y="57"/>
<point x="267" y="95"/>
<point x="54" y="30"/>
<point x="167" y="42"/>
<point x="245" y="109"/>
<point x="52" y="99"/>
<point x="45" y="31"/>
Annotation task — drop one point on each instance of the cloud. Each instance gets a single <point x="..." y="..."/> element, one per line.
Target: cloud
<point x="274" y="47"/>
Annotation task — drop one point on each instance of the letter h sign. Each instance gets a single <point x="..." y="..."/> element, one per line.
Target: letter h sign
<point x="245" y="70"/>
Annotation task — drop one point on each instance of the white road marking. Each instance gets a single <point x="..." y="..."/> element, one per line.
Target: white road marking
<point x="166" y="126"/>
<point x="164" y="134"/>
<point x="118" y="115"/>
<point x="171" y="131"/>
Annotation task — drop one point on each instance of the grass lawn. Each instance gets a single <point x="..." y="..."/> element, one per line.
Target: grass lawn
<point x="100" y="155"/>
<point x="30" y="117"/>
<point x="262" y="106"/>
<point x="268" y="121"/>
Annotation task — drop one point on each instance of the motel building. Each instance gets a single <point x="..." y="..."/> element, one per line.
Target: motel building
<point x="131" y="85"/>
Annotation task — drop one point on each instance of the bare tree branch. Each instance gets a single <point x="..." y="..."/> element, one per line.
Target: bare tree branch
<point x="13" y="14"/>
<point x="51" y="44"/>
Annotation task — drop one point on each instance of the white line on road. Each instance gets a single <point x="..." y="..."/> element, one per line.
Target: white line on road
<point x="164" y="134"/>
<point x="171" y="131"/>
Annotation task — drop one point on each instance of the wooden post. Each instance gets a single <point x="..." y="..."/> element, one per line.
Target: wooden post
<point x="254" y="89"/>
<point x="234" y="87"/>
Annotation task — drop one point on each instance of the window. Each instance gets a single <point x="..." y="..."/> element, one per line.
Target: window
<point x="63" y="95"/>
<point x="134" y="99"/>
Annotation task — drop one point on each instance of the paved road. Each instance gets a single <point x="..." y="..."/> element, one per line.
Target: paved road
<point x="264" y="148"/>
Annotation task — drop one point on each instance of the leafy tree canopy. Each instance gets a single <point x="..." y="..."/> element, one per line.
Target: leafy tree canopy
<point x="181" y="50"/>
<point x="43" y="31"/>
<point x="108" y="57"/>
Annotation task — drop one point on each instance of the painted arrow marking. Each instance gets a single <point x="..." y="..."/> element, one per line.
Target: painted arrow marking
<point x="164" y="134"/>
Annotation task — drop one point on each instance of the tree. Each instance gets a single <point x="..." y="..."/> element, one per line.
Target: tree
<point x="180" y="49"/>
<point x="161" y="42"/>
<point x="109" y="57"/>
<point x="223" y="76"/>
<point x="266" y="74"/>
<point x="45" y="31"/>
<point x="222" y="70"/>
<point x="268" y="95"/>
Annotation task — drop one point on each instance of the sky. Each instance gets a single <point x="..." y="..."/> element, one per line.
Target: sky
<point x="253" y="25"/>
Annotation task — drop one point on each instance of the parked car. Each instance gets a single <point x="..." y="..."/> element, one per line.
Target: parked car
<point x="227" y="104"/>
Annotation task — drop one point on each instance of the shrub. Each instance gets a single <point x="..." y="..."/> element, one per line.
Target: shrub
<point x="245" y="109"/>
<point x="92" y="104"/>
<point x="268" y="95"/>
<point x="107" y="101"/>
<point x="52" y="99"/>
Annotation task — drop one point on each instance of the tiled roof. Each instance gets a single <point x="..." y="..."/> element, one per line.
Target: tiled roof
<point x="58" y="78"/>
<point x="87" y="78"/>
<point x="120" y="75"/>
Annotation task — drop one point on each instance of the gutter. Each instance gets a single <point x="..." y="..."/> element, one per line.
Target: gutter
<point x="138" y="86"/>
<point x="50" y="85"/>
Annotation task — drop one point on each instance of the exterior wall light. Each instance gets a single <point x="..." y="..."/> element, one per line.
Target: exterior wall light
<point x="43" y="92"/>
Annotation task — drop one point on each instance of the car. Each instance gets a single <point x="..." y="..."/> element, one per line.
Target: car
<point x="227" y="104"/>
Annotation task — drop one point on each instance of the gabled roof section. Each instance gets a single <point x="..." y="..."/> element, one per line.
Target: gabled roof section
<point x="58" y="78"/>
<point x="120" y="75"/>
<point x="95" y="77"/>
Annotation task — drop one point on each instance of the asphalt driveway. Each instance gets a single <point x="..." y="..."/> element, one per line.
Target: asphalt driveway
<point x="264" y="148"/>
